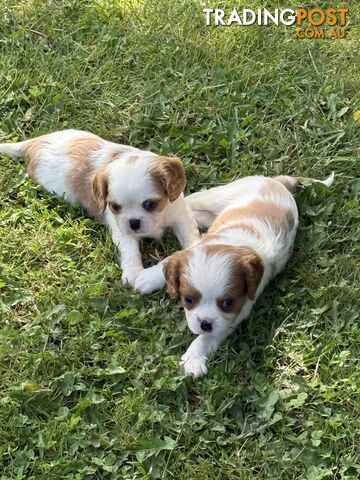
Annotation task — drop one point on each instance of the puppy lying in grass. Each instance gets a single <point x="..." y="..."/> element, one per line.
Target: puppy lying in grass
<point x="135" y="192"/>
<point x="253" y="223"/>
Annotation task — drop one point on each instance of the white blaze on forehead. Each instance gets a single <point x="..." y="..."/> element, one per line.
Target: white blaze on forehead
<point x="130" y="181"/>
<point x="209" y="273"/>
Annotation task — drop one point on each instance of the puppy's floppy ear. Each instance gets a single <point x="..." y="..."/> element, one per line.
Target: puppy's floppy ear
<point x="100" y="189"/>
<point x="173" y="269"/>
<point x="250" y="266"/>
<point x="171" y="173"/>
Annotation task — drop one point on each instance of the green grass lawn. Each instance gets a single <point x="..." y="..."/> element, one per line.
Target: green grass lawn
<point x="90" y="384"/>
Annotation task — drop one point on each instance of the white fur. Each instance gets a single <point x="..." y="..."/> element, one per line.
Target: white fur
<point x="130" y="184"/>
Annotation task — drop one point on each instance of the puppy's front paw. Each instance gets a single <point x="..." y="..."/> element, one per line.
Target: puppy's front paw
<point x="129" y="276"/>
<point x="195" y="366"/>
<point x="149" y="280"/>
<point x="143" y="283"/>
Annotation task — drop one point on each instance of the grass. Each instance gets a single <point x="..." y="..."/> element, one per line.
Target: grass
<point x="90" y="385"/>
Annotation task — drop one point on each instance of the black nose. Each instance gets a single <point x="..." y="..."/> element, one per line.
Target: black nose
<point x="134" y="224"/>
<point x="205" y="326"/>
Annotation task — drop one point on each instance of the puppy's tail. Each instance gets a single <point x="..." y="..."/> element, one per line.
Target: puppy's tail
<point x="291" y="183"/>
<point x="13" y="149"/>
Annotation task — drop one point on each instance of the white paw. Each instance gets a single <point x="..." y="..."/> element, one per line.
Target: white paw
<point x="129" y="276"/>
<point x="195" y="366"/>
<point x="149" y="280"/>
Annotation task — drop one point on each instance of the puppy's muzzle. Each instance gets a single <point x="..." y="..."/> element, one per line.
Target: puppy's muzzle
<point x="135" y="224"/>
<point x="206" y="326"/>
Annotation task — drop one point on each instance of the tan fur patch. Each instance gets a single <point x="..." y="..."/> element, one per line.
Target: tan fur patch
<point x="162" y="199"/>
<point x="247" y="227"/>
<point x="99" y="191"/>
<point x="32" y="150"/>
<point x="80" y="149"/>
<point x="33" y="146"/>
<point x="248" y="265"/>
<point x="168" y="174"/>
<point x="117" y="152"/>
<point x="237" y="292"/>
<point x="134" y="158"/>
<point x="222" y="220"/>
<point x="173" y="269"/>
<point x="281" y="219"/>
<point x="161" y="203"/>
<point x="186" y="289"/>
<point x="246" y="274"/>
<point x="79" y="178"/>
<point x="177" y="284"/>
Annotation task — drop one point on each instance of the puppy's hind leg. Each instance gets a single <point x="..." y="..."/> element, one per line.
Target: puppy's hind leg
<point x="199" y="204"/>
<point x="204" y="218"/>
<point x="205" y="205"/>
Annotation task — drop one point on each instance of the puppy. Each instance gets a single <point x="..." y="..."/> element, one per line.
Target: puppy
<point x="135" y="192"/>
<point x="253" y="223"/>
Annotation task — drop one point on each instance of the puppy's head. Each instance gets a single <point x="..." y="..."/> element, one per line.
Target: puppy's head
<point x="136" y="190"/>
<point x="214" y="282"/>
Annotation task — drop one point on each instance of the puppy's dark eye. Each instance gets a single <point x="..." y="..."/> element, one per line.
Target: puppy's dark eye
<point x="227" y="303"/>
<point x="188" y="299"/>
<point x="116" y="208"/>
<point x="149" y="205"/>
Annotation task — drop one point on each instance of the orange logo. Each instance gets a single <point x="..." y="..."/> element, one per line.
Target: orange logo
<point x="328" y="23"/>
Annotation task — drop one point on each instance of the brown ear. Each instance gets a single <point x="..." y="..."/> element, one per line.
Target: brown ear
<point x="172" y="176"/>
<point x="100" y="189"/>
<point x="173" y="269"/>
<point x="250" y="266"/>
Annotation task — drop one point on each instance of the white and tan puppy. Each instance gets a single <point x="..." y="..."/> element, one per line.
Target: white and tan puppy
<point x="253" y="223"/>
<point x="135" y="192"/>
